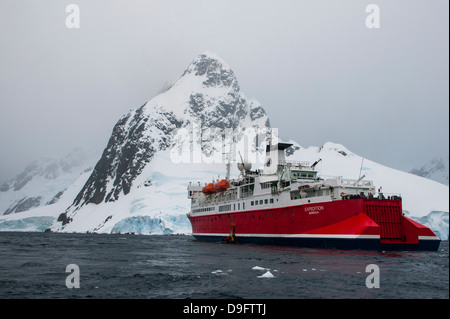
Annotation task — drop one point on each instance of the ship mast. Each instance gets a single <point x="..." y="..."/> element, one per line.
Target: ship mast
<point x="228" y="159"/>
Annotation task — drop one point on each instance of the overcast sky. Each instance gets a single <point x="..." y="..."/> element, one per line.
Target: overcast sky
<point x="315" y="67"/>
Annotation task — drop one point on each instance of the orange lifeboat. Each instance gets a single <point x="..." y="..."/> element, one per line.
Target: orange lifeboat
<point x="208" y="189"/>
<point x="221" y="185"/>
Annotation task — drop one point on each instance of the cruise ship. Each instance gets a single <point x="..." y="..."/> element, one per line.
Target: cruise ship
<point x="288" y="203"/>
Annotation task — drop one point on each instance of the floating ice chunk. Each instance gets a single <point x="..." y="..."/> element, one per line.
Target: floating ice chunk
<point x="218" y="271"/>
<point x="259" y="268"/>
<point x="267" y="274"/>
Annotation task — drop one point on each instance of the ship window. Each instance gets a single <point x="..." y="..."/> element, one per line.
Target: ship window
<point x="266" y="201"/>
<point x="273" y="215"/>
<point x="243" y="205"/>
<point x="266" y="185"/>
<point x="283" y="214"/>
<point x="271" y="200"/>
<point x="292" y="214"/>
<point x="256" y="202"/>
<point x="239" y="206"/>
<point x="252" y="203"/>
<point x="225" y="208"/>
<point x="261" y="202"/>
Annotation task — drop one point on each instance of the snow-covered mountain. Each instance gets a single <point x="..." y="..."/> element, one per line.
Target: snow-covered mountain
<point x="139" y="183"/>
<point x="43" y="182"/>
<point x="207" y="97"/>
<point x="42" y="217"/>
<point x="435" y="169"/>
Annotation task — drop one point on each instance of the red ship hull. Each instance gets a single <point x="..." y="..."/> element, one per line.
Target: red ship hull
<point x="361" y="223"/>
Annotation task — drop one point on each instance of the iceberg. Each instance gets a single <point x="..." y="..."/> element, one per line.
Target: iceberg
<point x="436" y="221"/>
<point x="146" y="225"/>
<point x="258" y="268"/>
<point x="267" y="274"/>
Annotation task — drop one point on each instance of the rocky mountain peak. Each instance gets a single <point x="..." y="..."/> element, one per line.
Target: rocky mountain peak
<point x="212" y="70"/>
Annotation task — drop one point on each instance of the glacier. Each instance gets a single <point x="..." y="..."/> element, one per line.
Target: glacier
<point x="35" y="224"/>
<point x="146" y="225"/>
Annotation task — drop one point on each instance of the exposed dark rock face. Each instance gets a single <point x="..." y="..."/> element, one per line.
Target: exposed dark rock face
<point x="55" y="198"/>
<point x="24" y="204"/>
<point x="436" y="169"/>
<point x="128" y="151"/>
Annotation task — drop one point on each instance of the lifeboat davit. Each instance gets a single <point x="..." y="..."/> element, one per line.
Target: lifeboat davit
<point x="208" y="189"/>
<point x="221" y="186"/>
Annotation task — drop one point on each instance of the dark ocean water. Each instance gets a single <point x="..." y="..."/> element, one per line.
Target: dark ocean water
<point x="33" y="265"/>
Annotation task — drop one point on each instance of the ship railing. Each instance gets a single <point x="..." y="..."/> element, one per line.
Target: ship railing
<point x="347" y="181"/>
<point x="380" y="196"/>
<point x="246" y="194"/>
<point x="389" y="196"/>
<point x="330" y="177"/>
<point x="294" y="163"/>
<point x="355" y="182"/>
<point x="218" y="198"/>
